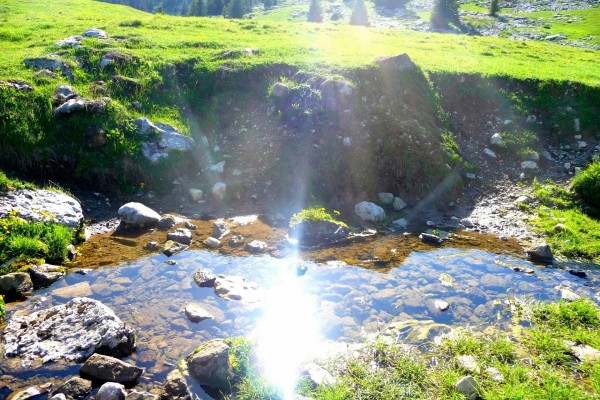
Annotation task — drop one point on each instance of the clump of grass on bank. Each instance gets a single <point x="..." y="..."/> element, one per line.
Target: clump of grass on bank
<point x="535" y="365"/>
<point x="586" y="187"/>
<point x="7" y="183"/>
<point x="28" y="241"/>
<point x="568" y="229"/>
<point x="316" y="214"/>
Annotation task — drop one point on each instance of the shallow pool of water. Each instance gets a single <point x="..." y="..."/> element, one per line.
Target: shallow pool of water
<point x="302" y="316"/>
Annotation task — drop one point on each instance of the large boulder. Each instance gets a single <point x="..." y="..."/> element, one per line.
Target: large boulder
<point x="368" y="211"/>
<point x="317" y="232"/>
<point x="110" y="369"/>
<point x="138" y="215"/>
<point x="16" y="285"/>
<point x="161" y="139"/>
<point x="72" y="332"/>
<point x="210" y="365"/>
<point x="42" y="205"/>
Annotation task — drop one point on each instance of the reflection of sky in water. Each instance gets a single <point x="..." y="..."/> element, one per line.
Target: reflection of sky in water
<point x="301" y="315"/>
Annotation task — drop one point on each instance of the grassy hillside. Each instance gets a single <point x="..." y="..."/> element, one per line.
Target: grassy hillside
<point x="29" y="28"/>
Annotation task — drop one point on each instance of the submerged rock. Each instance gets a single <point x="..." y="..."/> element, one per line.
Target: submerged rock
<point x="317" y="232"/>
<point x="138" y="215"/>
<point x="75" y="388"/>
<point x="210" y="365"/>
<point x="42" y="205"/>
<point x="237" y="288"/>
<point x="196" y="313"/>
<point x="71" y="332"/>
<point x="110" y="369"/>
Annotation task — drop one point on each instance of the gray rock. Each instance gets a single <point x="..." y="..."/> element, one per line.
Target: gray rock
<point x="430" y="238"/>
<point x="113" y="57"/>
<point x="181" y="235"/>
<point x="71" y="41"/>
<point x="219" y="190"/>
<point x="58" y="396"/>
<point x="167" y="222"/>
<point x="467" y="223"/>
<point x="468" y="386"/>
<point x="237" y="288"/>
<point x="533" y="156"/>
<point x="138" y="215"/>
<point x="190" y="225"/>
<point x="497" y="140"/>
<point x="110" y="369"/>
<point x="19" y="86"/>
<point x="236" y="241"/>
<point x="135" y="395"/>
<point x="196" y="313"/>
<point x="71" y="106"/>
<point x="523" y="199"/>
<point x="45" y="275"/>
<point x="111" y="391"/>
<point x="489" y="152"/>
<point x="387" y="199"/>
<point x="583" y="352"/>
<point x="50" y="63"/>
<point x="75" y="388"/>
<point x="220" y="229"/>
<point x="368" y="211"/>
<point x="212" y="242"/>
<point x="210" y="365"/>
<point x="175" y="387"/>
<point x="401" y="62"/>
<point x="495" y="374"/>
<point x="401" y="223"/>
<point x="256" y="246"/>
<point x="71" y="331"/>
<point x="204" y="277"/>
<point x="317" y="232"/>
<point x="280" y="90"/>
<point x="42" y="205"/>
<point x="152" y="246"/>
<point x="468" y="363"/>
<point x="569" y="295"/>
<point x="16" y="284"/>
<point x="399" y="204"/>
<point x="317" y="375"/>
<point x="336" y="94"/>
<point x="541" y="253"/>
<point x="95" y="33"/>
<point x="528" y="164"/>
<point x="162" y="139"/>
<point x="171" y="248"/>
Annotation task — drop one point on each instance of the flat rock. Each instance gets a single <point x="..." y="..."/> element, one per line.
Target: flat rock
<point x="237" y="288"/>
<point x="135" y="395"/>
<point x="195" y="313"/>
<point x="204" y="277"/>
<point x="95" y="33"/>
<point x="584" y="352"/>
<point x="110" y="369"/>
<point x="42" y="205"/>
<point x="568" y="294"/>
<point x="80" y="289"/>
<point x="210" y="365"/>
<point x="181" y="235"/>
<point x="71" y="332"/>
<point x="75" y="388"/>
<point x="430" y="238"/>
<point x="171" y="248"/>
<point x="50" y="63"/>
<point x="469" y="363"/>
<point x="138" y="215"/>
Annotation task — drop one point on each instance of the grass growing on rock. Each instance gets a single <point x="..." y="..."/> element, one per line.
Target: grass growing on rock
<point x="316" y="214"/>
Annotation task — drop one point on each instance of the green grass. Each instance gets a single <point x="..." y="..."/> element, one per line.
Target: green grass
<point x="2" y="309"/>
<point x="316" y="214"/>
<point x="580" y="233"/>
<point x="7" y="183"/>
<point x="32" y="240"/>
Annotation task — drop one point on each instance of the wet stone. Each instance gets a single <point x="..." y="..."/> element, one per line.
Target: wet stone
<point x="578" y="273"/>
<point x="441" y="305"/>
<point x="195" y="313"/>
<point x="237" y="288"/>
<point x="181" y="235"/>
<point x="81" y="289"/>
<point x="236" y="241"/>
<point x="171" y="248"/>
<point x="110" y="369"/>
<point x="256" y="246"/>
<point x="204" y="277"/>
<point x="430" y="238"/>
<point x="111" y="391"/>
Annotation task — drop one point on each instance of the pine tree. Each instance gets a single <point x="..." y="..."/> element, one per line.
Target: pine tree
<point x="444" y="12"/>
<point x="360" y="15"/>
<point x="214" y="7"/>
<point x="315" y="11"/>
<point x="494" y="7"/>
<point x="235" y="9"/>
<point x="197" y="8"/>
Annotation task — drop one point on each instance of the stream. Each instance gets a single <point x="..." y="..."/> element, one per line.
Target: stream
<point x="324" y="311"/>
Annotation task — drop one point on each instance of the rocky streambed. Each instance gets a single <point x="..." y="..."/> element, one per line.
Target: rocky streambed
<point x="297" y="304"/>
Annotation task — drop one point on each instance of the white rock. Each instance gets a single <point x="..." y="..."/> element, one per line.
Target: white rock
<point x="111" y="391"/>
<point x="401" y="223"/>
<point x="568" y="294"/>
<point x="469" y="363"/>
<point x="582" y="144"/>
<point x="162" y="139"/>
<point x="548" y="156"/>
<point x="368" y="211"/>
<point x="495" y="374"/>
<point x="489" y="152"/>
<point x="95" y="32"/>
<point x="385" y="198"/>
<point x="219" y="189"/>
<point x="196" y="313"/>
<point x="347" y="141"/>
<point x="42" y="205"/>
<point x="523" y="199"/>
<point x="237" y="288"/>
<point x="528" y="164"/>
<point x="441" y="305"/>
<point x="497" y="140"/>
<point x="212" y="242"/>
<point x="399" y="204"/>
<point x="218" y="167"/>
<point x="196" y="194"/>
<point x="584" y="352"/>
<point x="138" y="214"/>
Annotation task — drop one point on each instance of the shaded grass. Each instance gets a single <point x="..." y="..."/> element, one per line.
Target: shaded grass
<point x="7" y="183"/>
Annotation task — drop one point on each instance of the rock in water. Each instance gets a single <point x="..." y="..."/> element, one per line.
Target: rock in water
<point x="237" y="288"/>
<point x="175" y="387"/>
<point x="110" y="369"/>
<point x="256" y="246"/>
<point x="138" y="215"/>
<point x="45" y="275"/>
<point x="317" y="232"/>
<point x="430" y="238"/>
<point x="210" y="365"/>
<point x="541" y="254"/>
<point x="111" y="391"/>
<point x="368" y="211"/>
<point x="204" y="277"/>
<point x="71" y="332"/>
<point x="42" y="205"/>
<point x="170" y="248"/>
<point x="75" y="388"/>
<point x="196" y="313"/>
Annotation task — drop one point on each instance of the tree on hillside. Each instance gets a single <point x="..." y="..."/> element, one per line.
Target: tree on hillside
<point x="360" y="15"/>
<point x="214" y="7"/>
<point x="391" y="4"/>
<point x="235" y="9"/>
<point x="444" y="13"/>
<point x="197" y="8"/>
<point x="494" y="7"/>
<point x="315" y="11"/>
